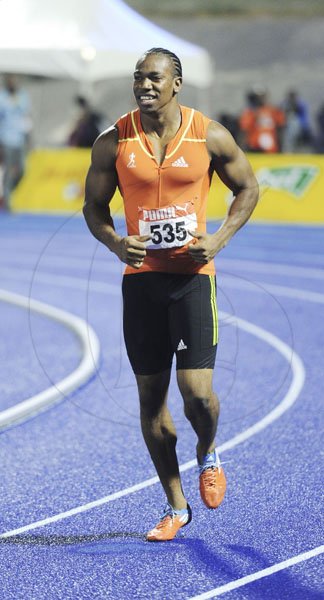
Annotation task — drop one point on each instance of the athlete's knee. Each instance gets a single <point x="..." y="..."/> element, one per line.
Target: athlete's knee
<point x="199" y="406"/>
<point x="150" y="405"/>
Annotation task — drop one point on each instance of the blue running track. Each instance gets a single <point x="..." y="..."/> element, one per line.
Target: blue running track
<point x="78" y="490"/>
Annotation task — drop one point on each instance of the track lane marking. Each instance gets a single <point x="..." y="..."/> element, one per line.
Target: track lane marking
<point x="89" y="363"/>
<point x="233" y="585"/>
<point x="289" y="399"/>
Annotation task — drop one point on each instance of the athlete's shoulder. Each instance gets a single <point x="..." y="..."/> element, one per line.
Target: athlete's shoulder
<point x="219" y="140"/>
<point x="108" y="137"/>
<point x="104" y="149"/>
<point x="216" y="129"/>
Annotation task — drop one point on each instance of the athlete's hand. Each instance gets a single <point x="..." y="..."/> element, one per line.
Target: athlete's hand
<point x="204" y="248"/>
<point x="131" y="250"/>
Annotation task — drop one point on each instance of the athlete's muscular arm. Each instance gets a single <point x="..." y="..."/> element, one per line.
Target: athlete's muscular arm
<point x="101" y="184"/>
<point x="232" y="166"/>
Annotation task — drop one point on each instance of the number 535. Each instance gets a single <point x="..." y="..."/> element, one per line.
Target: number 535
<point x="168" y="232"/>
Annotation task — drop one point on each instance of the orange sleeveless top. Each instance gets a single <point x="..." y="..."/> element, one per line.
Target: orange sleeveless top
<point x="165" y="201"/>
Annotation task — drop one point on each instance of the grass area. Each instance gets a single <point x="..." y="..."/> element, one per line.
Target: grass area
<point x="229" y="7"/>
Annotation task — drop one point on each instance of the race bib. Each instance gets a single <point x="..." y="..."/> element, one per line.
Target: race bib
<point x="167" y="226"/>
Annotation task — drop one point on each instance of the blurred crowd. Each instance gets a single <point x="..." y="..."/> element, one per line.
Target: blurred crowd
<point x="266" y="127"/>
<point x="260" y="127"/>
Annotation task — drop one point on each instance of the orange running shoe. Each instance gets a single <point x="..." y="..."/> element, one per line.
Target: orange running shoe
<point x="212" y="481"/>
<point x="171" y="521"/>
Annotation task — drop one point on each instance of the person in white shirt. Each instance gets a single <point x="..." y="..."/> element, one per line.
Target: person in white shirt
<point x="15" y="127"/>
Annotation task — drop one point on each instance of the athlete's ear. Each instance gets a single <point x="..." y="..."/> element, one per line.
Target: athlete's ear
<point x="177" y="85"/>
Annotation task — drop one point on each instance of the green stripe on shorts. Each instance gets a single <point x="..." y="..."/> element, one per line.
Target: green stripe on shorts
<point x="214" y="308"/>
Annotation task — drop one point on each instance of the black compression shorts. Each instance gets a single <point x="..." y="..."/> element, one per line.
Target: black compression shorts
<point x="167" y="314"/>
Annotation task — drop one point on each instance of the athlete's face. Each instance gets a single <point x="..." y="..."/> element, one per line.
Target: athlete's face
<point x="155" y="83"/>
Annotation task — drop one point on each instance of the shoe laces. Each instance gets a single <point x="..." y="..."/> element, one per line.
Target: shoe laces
<point x="168" y="513"/>
<point x="209" y="478"/>
<point x="206" y="468"/>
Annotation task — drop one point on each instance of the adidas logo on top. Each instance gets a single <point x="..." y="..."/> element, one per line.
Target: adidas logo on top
<point x="180" y="162"/>
<point x="182" y="345"/>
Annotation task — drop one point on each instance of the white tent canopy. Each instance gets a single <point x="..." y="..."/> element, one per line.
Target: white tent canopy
<point x="87" y="40"/>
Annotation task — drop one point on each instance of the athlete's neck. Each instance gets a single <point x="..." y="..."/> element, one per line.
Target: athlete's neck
<point x="164" y="123"/>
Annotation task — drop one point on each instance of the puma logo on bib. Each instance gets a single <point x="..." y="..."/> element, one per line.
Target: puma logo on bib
<point x="168" y="226"/>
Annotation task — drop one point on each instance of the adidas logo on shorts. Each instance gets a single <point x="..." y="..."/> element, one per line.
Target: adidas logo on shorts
<point x="180" y="162"/>
<point x="182" y="345"/>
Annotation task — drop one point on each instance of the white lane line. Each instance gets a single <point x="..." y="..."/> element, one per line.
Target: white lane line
<point x="80" y="509"/>
<point x="233" y="585"/>
<point x="298" y="372"/>
<point x="88" y="365"/>
<point x="298" y="378"/>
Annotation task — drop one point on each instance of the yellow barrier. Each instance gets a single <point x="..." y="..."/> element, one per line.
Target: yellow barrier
<point x="292" y="186"/>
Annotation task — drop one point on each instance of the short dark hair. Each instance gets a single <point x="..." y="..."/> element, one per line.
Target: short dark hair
<point x="173" y="58"/>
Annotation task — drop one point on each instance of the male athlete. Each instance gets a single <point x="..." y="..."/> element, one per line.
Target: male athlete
<point x="162" y="156"/>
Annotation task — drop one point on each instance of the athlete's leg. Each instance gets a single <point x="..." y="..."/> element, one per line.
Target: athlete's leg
<point x="201" y="406"/>
<point x="202" y="409"/>
<point x="150" y="352"/>
<point x="160" y="435"/>
<point x="194" y="337"/>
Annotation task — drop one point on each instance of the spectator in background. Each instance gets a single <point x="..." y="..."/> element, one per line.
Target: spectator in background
<point x="87" y="126"/>
<point x="297" y="135"/>
<point x="15" y="127"/>
<point x="261" y="123"/>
